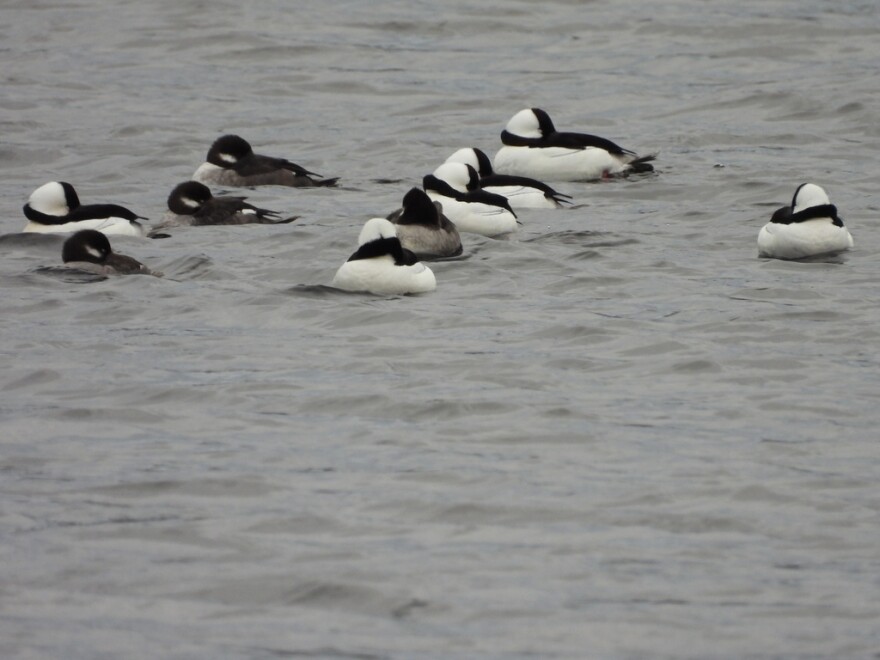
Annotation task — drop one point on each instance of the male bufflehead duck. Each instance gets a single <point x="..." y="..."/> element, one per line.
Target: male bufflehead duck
<point x="521" y="191"/>
<point x="456" y="186"/>
<point x="54" y="207"/>
<point x="191" y="203"/>
<point x="809" y="227"/>
<point x="533" y="147"/>
<point x="232" y="162"/>
<point x="382" y="266"/>
<point x="423" y="229"/>
<point x="89" y="250"/>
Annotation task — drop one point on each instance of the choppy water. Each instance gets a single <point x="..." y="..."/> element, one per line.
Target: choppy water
<point x="617" y="434"/>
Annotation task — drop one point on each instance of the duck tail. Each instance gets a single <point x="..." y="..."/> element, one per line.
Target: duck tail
<point x="642" y="163"/>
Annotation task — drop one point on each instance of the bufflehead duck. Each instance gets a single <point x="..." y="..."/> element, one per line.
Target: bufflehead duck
<point x="89" y="250"/>
<point x="232" y="162"/>
<point x="809" y="227"/>
<point x="456" y="187"/>
<point x="382" y="266"/>
<point x="521" y="191"/>
<point x="533" y="147"/>
<point x="191" y="203"/>
<point x="423" y="229"/>
<point x="54" y="207"/>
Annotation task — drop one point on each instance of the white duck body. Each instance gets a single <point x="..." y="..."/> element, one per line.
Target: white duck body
<point x="455" y="186"/>
<point x="54" y="208"/>
<point x="812" y="228"/>
<point x="533" y="148"/>
<point x="382" y="266"/>
<point x="522" y="192"/>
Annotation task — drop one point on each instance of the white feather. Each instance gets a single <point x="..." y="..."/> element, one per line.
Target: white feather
<point x="49" y="199"/>
<point x="558" y="163"/>
<point x="523" y="197"/>
<point x="381" y="275"/>
<point x="108" y="226"/>
<point x="554" y="163"/>
<point x="814" y="237"/>
<point x="474" y="217"/>
<point x="376" y="228"/>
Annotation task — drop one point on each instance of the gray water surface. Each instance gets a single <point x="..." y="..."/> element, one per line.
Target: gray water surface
<point x="615" y="434"/>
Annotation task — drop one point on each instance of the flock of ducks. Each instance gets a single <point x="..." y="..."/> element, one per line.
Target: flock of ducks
<point x="467" y="193"/>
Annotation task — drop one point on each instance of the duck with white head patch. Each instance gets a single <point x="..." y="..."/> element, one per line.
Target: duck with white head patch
<point x="521" y="191"/>
<point x="381" y="265"/>
<point x="231" y="161"/>
<point x="54" y="207"/>
<point x="456" y="186"/>
<point x="809" y="227"/>
<point x="192" y="204"/>
<point x="533" y="147"/>
<point x="423" y="229"/>
<point x="89" y="250"/>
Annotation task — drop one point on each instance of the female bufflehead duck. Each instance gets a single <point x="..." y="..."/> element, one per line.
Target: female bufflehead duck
<point x="423" y="229"/>
<point x="89" y="250"/>
<point x="456" y="186"/>
<point x="232" y="162"/>
<point x="192" y="204"/>
<point x="54" y="207"/>
<point x="809" y="227"/>
<point x="533" y="147"/>
<point x="381" y="265"/>
<point x="521" y="191"/>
